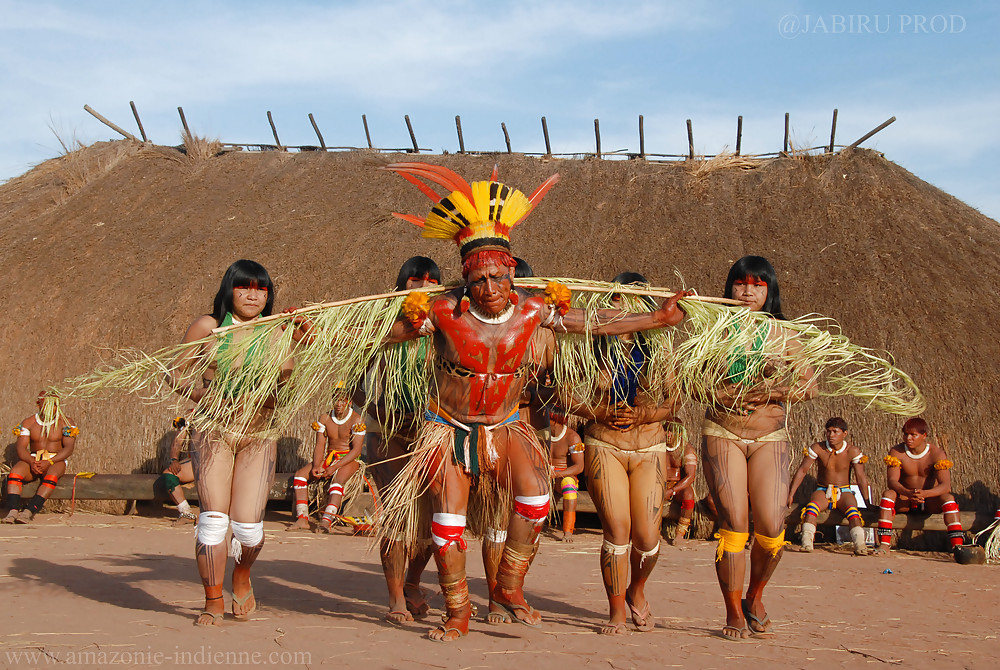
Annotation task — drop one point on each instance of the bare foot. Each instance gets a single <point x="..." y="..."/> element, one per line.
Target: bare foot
<point x="612" y="628"/>
<point x="244" y="604"/>
<point x="680" y="542"/>
<point x="397" y="616"/>
<point x="453" y="628"/>
<point x="302" y="523"/>
<point x="756" y="618"/>
<point x="498" y="615"/>
<point x="734" y="633"/>
<point x="565" y="537"/>
<point x="324" y="526"/>
<point x="881" y="550"/>
<point x="416" y="602"/>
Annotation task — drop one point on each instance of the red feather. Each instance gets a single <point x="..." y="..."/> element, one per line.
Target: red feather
<point x="415" y="220"/>
<point x="537" y="196"/>
<point x="436" y="174"/>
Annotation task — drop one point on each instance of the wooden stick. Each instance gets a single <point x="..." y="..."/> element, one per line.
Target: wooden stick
<point x="690" y="141"/>
<point x="739" y="133"/>
<point x="110" y="125"/>
<point x="506" y="137"/>
<point x="322" y="144"/>
<point x="413" y="138"/>
<point x="545" y="132"/>
<point x="138" y="122"/>
<point x="597" y="132"/>
<point x="833" y="130"/>
<point x="785" y="149"/>
<point x="867" y="135"/>
<point x="532" y="283"/>
<point x="461" y="140"/>
<point x="642" y="139"/>
<point x="368" y="136"/>
<point x="187" y="131"/>
<point x="274" y="131"/>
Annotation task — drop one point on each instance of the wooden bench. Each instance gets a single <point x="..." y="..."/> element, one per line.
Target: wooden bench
<point x="902" y="521"/>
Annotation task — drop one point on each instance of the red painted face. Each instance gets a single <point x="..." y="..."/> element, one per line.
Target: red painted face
<point x="489" y="287"/>
<point x="420" y="282"/>
<point x="751" y="291"/>
<point x="249" y="301"/>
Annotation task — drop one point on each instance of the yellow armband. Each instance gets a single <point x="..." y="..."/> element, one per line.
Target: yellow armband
<point x="318" y="427"/>
<point x="576" y="448"/>
<point x="943" y="464"/>
<point x="416" y="307"/>
<point x="558" y="296"/>
<point x="863" y="459"/>
<point x="70" y="431"/>
<point x="892" y="461"/>
<point x="359" y="428"/>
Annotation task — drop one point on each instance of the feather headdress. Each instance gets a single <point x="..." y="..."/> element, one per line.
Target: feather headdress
<point x="478" y="216"/>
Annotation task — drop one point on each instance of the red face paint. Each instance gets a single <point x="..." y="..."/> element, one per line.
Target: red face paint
<point x="750" y="281"/>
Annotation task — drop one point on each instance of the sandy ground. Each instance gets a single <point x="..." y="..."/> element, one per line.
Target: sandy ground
<point x="105" y="591"/>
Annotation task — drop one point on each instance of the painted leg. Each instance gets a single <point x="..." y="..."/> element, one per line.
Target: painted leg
<point x="763" y="562"/>
<point x="451" y="575"/>
<point x="393" y="556"/>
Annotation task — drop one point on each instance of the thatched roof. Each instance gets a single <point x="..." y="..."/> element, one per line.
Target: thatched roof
<point x="117" y="245"/>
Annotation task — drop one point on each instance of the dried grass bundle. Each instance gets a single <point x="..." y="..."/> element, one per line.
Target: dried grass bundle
<point x="200" y="148"/>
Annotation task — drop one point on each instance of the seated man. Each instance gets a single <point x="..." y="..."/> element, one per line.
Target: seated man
<point x="44" y="443"/>
<point x="835" y="458"/>
<point x="918" y="481"/>
<point x="682" y="467"/>
<point x="180" y="471"/>
<point x="340" y="434"/>
<point x="566" y="458"/>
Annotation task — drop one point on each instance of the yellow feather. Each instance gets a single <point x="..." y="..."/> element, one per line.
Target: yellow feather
<point x="515" y="208"/>
<point x="481" y="199"/>
<point x="440" y="227"/>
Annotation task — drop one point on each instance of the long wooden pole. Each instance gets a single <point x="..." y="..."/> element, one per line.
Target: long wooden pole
<point x="413" y="137"/>
<point x="461" y="140"/>
<point x="690" y="141"/>
<point x="506" y="136"/>
<point x="833" y="130"/>
<point x="110" y="125"/>
<point x="364" y="120"/>
<point x="642" y="139"/>
<point x="545" y="132"/>
<point x="739" y="133"/>
<point x="138" y="121"/>
<point x="322" y="143"/>
<point x="597" y="134"/>
<point x="785" y="145"/>
<point x="180" y="111"/>
<point x="882" y="126"/>
<point x="532" y="283"/>
<point x="274" y="131"/>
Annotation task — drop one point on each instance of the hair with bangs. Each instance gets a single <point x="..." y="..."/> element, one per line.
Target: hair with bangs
<point x="420" y="267"/>
<point x="757" y="267"/>
<point x="242" y="273"/>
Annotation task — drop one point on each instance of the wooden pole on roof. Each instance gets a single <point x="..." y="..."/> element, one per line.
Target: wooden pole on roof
<point x="322" y="143"/>
<point x="597" y="132"/>
<point x="180" y="111"/>
<point x="274" y="131"/>
<point x="461" y="140"/>
<point x="368" y="136"/>
<point x="739" y="133"/>
<point x="690" y="141"/>
<point x="110" y="125"/>
<point x="833" y="130"/>
<point x="506" y="137"/>
<point x="867" y="135"/>
<point x="545" y="132"/>
<point x="138" y="122"/>
<point x="784" y="150"/>
<point x="413" y="138"/>
<point x="642" y="140"/>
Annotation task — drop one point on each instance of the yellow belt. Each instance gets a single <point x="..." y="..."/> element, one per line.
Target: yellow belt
<point x="712" y="429"/>
<point x="660" y="448"/>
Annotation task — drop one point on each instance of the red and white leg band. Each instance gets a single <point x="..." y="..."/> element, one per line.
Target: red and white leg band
<point x="687" y="504"/>
<point x="955" y="534"/>
<point x="300" y="483"/>
<point x="335" y="489"/>
<point x="16" y="482"/>
<point x="532" y="508"/>
<point x="446" y="530"/>
<point x="888" y="505"/>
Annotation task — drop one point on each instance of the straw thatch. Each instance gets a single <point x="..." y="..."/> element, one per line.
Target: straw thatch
<point x="130" y="255"/>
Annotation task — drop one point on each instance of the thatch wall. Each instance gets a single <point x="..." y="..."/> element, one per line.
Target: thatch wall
<point x="117" y="245"/>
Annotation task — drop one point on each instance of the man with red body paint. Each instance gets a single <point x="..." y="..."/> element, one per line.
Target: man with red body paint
<point x="482" y="333"/>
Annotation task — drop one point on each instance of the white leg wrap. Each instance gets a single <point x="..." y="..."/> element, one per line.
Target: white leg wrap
<point x="616" y="549"/>
<point x="808" y="535"/>
<point x="495" y="535"/>
<point x="301" y="509"/>
<point x="212" y="527"/>
<point x="643" y="555"/>
<point x="335" y="489"/>
<point x="245" y="535"/>
<point x="451" y="524"/>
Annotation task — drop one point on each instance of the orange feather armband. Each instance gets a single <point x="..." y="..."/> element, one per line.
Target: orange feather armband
<point x="892" y="461"/>
<point x="416" y="308"/>
<point x="70" y="431"/>
<point x="558" y="296"/>
<point x="943" y="464"/>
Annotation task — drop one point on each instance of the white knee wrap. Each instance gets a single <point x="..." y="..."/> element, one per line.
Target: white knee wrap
<point x="617" y="549"/>
<point x="643" y="555"/>
<point x="495" y="535"/>
<point x="248" y="534"/>
<point x="212" y="527"/>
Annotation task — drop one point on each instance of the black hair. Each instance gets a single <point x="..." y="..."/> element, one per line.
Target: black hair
<point x="757" y="267"/>
<point x="628" y="277"/>
<point x="417" y="266"/>
<point x="522" y="269"/>
<point x="837" y="422"/>
<point x="242" y="273"/>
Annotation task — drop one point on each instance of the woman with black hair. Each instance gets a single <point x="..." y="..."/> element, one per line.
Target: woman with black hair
<point x="234" y="471"/>
<point x="624" y="459"/>
<point x="386" y="458"/>
<point x="746" y="460"/>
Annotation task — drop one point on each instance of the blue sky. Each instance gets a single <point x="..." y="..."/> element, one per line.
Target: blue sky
<point x="228" y="63"/>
